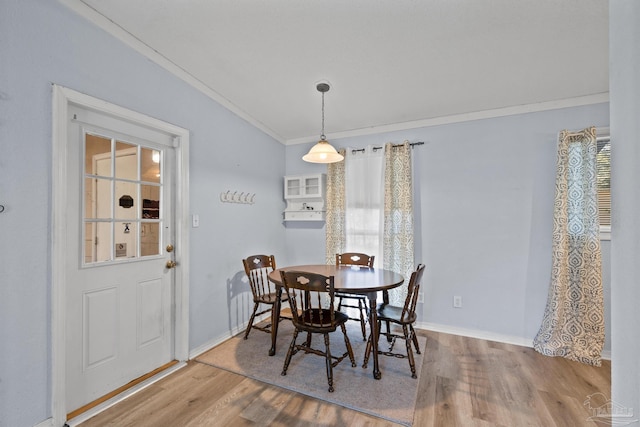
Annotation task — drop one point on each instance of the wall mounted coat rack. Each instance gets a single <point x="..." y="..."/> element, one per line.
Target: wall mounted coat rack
<point x="235" y="197"/>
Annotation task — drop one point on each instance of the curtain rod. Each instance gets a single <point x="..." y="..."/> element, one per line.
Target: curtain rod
<point x="602" y="133"/>
<point x="361" y="150"/>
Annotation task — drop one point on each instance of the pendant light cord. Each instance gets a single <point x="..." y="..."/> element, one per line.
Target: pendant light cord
<point x="322" y="137"/>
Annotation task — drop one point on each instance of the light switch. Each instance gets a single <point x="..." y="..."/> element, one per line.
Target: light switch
<point x="195" y="221"/>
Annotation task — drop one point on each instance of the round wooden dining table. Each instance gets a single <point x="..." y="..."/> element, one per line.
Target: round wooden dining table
<point x="351" y="279"/>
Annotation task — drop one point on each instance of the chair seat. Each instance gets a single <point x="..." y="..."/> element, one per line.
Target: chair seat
<point x="271" y="298"/>
<point x="314" y="320"/>
<point x="394" y="314"/>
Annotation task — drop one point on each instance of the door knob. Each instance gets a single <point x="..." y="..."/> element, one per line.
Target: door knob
<point x="171" y="264"/>
<point x="169" y="247"/>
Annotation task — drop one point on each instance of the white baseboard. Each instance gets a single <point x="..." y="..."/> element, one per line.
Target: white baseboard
<point x="475" y="333"/>
<point x="46" y="423"/>
<point x="485" y="335"/>
<point x="222" y="338"/>
<point x="209" y="345"/>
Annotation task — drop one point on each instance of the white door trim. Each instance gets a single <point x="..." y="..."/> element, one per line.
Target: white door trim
<point x="62" y="97"/>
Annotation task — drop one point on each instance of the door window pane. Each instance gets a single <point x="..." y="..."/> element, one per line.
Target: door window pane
<point x="150" y="165"/>
<point x="126" y="239"/>
<point x="98" y="149"/>
<point x="149" y="238"/>
<point x="98" y="198"/>
<point x="102" y="241"/>
<point x="126" y="161"/>
<point x="122" y="199"/>
<point x="126" y="200"/>
<point x="150" y="201"/>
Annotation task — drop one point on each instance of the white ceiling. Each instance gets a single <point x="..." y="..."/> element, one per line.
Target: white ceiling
<point x="392" y="64"/>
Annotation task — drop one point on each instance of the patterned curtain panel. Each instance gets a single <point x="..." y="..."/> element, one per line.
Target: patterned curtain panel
<point x="335" y="229"/>
<point x="573" y="323"/>
<point x="398" y="216"/>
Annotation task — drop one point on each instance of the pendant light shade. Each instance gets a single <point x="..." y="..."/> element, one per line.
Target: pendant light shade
<point x="322" y="152"/>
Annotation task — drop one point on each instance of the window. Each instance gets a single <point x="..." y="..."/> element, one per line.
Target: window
<point x="364" y="199"/>
<point x="122" y="190"/>
<point x="603" y="184"/>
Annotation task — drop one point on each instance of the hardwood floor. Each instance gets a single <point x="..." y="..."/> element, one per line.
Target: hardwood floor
<point x="464" y="382"/>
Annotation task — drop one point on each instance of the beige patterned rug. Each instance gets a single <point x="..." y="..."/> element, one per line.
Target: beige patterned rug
<point x="393" y="397"/>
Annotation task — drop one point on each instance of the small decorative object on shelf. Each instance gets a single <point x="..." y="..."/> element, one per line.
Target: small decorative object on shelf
<point x="305" y="197"/>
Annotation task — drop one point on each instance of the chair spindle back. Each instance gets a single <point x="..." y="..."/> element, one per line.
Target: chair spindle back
<point x="257" y="268"/>
<point x="413" y="290"/>
<point x="308" y="300"/>
<point x="355" y="258"/>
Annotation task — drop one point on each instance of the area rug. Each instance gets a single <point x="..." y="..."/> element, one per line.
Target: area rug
<point x="393" y="397"/>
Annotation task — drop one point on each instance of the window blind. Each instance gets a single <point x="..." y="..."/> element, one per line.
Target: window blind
<point x="603" y="178"/>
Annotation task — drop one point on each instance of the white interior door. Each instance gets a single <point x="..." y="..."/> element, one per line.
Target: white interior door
<point x="119" y="292"/>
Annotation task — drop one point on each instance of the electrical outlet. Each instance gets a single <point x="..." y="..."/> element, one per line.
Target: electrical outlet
<point x="420" y="298"/>
<point x="457" y="301"/>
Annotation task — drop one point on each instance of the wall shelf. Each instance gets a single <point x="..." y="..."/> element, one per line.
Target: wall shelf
<point x="305" y="197"/>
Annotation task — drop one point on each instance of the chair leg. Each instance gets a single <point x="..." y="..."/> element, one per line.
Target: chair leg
<point x="415" y="339"/>
<point x="287" y="359"/>
<point x="347" y="343"/>
<point x="253" y="315"/>
<point x="328" y="362"/>
<point x="362" y="321"/>
<point x="408" y="340"/>
<point x="388" y="334"/>
<point x="367" y="351"/>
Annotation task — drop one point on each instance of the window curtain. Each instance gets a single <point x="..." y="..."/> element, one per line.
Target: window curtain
<point x="336" y="210"/>
<point x="573" y="322"/>
<point x="364" y="201"/>
<point x="398" y="243"/>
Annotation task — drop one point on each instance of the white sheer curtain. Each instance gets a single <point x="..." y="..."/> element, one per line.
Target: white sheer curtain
<point x="364" y="200"/>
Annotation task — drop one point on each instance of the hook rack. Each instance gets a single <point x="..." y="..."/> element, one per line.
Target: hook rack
<point x="235" y="197"/>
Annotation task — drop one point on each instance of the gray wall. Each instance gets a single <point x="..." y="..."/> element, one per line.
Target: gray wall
<point x="42" y="42"/>
<point x="624" y="83"/>
<point x="484" y="206"/>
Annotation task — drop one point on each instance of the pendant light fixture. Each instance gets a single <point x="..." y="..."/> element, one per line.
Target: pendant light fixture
<point x="323" y="152"/>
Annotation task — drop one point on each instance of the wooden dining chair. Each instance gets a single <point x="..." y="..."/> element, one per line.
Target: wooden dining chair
<point x="363" y="261"/>
<point x="311" y="298"/>
<point x="257" y="268"/>
<point x="405" y="317"/>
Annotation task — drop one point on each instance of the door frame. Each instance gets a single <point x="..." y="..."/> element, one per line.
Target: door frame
<point x="62" y="98"/>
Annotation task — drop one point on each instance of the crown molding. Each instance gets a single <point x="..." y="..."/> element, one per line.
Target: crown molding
<point x="598" y="98"/>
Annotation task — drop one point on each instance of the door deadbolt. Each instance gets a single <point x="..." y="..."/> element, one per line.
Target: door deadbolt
<point x="169" y="247"/>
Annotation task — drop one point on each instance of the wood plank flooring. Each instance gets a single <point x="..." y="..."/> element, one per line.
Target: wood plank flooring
<point x="464" y="382"/>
